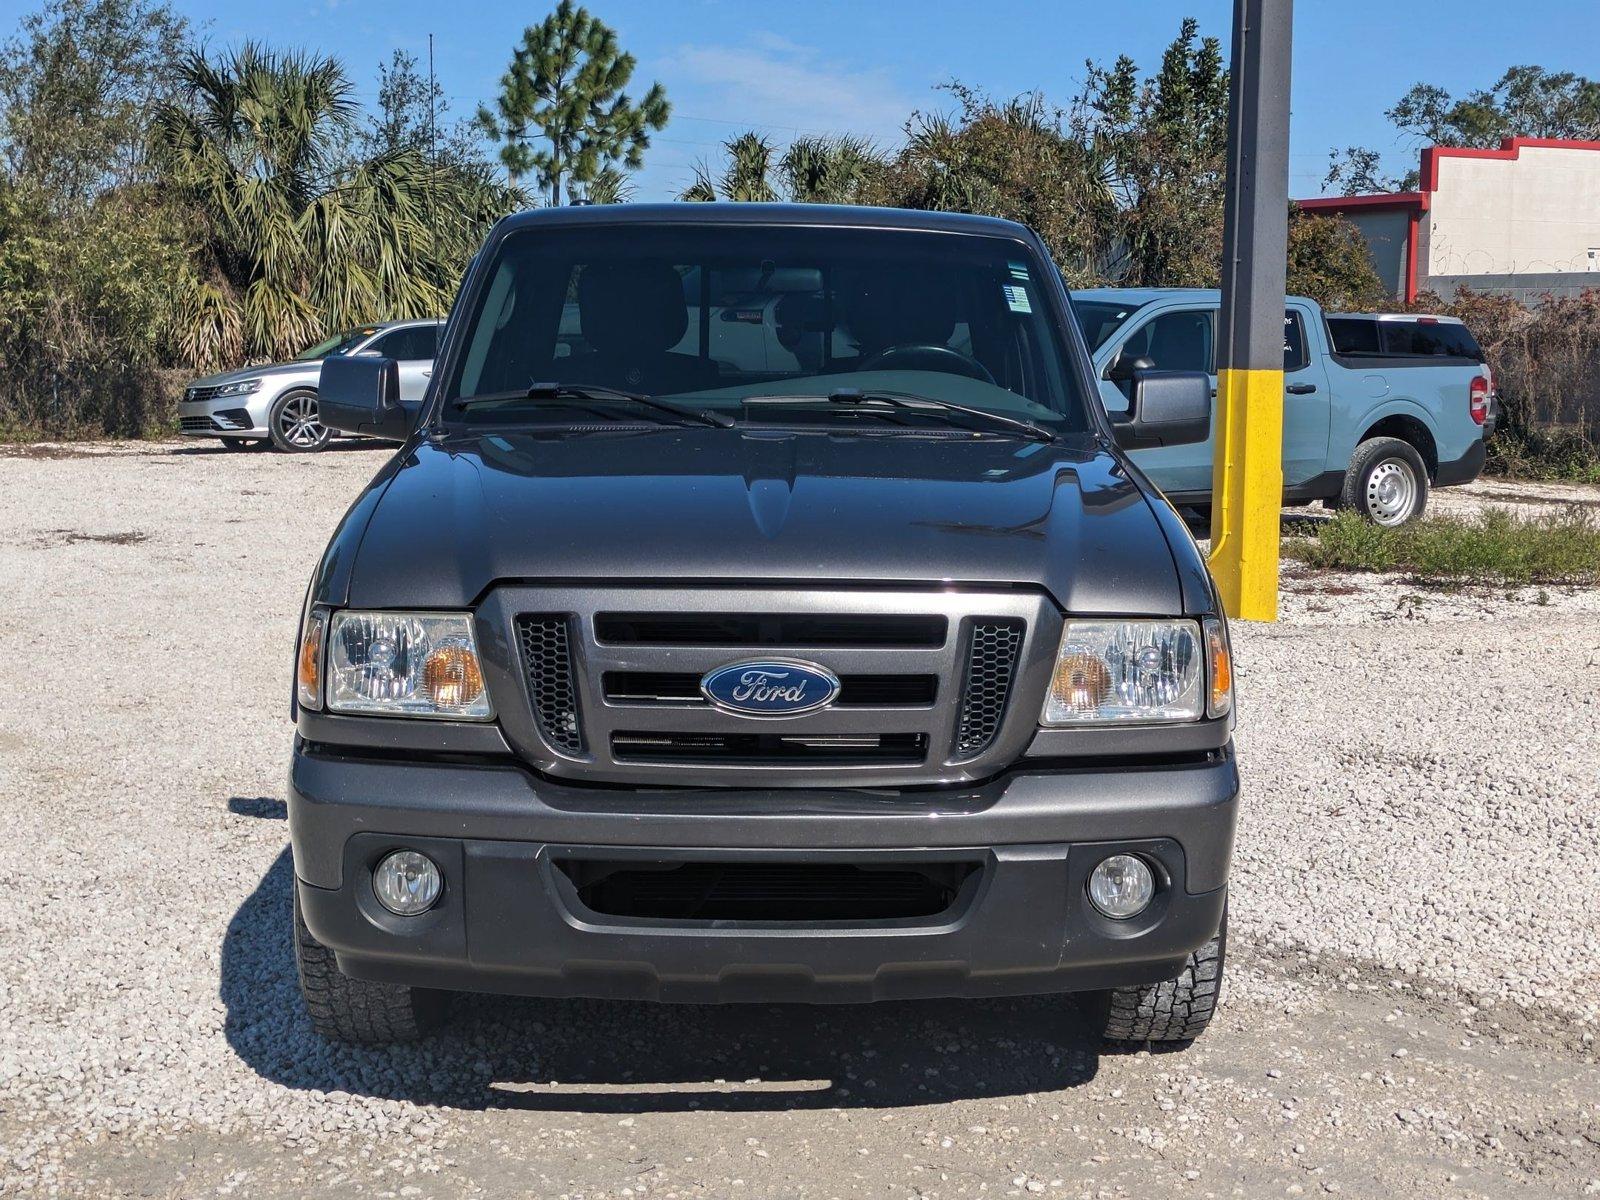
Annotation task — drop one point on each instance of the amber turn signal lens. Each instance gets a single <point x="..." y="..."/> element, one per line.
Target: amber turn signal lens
<point x="308" y="671"/>
<point x="451" y="676"/>
<point x="1221" y="669"/>
<point x="1081" y="682"/>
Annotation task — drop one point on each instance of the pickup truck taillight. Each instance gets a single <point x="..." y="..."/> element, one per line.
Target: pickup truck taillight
<point x="1478" y="398"/>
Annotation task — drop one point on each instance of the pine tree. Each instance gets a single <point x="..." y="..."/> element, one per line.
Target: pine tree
<point x="562" y="112"/>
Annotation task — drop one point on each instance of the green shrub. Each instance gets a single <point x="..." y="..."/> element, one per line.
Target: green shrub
<point x="1493" y="547"/>
<point x="1347" y="543"/>
<point x="1550" y="455"/>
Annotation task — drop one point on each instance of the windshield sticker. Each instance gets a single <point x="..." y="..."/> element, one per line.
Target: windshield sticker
<point x="1016" y="298"/>
<point x="1018" y="270"/>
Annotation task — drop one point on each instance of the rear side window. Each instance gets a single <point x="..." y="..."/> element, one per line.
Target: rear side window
<point x="1295" y="357"/>
<point x="1428" y="339"/>
<point x="1353" y="335"/>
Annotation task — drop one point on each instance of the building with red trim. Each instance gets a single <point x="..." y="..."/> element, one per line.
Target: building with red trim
<point x="1523" y="219"/>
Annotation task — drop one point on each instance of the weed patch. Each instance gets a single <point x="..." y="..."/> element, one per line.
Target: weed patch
<point x="1494" y="547"/>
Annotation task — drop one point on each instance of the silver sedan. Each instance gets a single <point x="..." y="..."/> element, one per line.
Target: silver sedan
<point x="278" y="402"/>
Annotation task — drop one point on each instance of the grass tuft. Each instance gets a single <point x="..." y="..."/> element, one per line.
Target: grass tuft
<point x="1493" y="547"/>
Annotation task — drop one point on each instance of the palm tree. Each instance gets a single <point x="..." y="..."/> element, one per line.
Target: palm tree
<point x="610" y="185"/>
<point x="746" y="177"/>
<point x="830" y="170"/>
<point x="295" y="238"/>
<point x="813" y="170"/>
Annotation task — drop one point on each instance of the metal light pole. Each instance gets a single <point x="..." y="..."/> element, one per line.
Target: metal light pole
<point x="1247" y="480"/>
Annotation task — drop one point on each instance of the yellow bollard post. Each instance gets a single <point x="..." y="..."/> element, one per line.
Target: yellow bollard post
<point x="1247" y="471"/>
<point x="1247" y="491"/>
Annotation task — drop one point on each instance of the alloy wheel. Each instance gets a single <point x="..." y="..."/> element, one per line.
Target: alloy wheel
<point x="298" y="424"/>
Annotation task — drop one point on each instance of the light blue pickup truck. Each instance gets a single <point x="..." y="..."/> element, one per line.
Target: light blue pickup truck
<point x="1377" y="408"/>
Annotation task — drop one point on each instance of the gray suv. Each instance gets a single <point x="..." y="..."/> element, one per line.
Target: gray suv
<point x="278" y="402"/>
<point x="669" y="663"/>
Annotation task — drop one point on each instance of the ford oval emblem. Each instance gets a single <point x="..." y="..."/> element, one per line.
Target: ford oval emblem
<point x="770" y="687"/>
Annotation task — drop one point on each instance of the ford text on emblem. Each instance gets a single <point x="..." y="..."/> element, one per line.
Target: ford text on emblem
<point x="770" y="688"/>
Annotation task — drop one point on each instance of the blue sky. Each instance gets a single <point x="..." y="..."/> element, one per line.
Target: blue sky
<point x="826" y="65"/>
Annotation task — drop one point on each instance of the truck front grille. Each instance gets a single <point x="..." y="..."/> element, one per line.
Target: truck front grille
<point x="992" y="650"/>
<point x="547" y="657"/>
<point x="855" y="691"/>
<point x="936" y="684"/>
<point x="766" y="892"/>
<point x="768" y="629"/>
<point x="770" y="749"/>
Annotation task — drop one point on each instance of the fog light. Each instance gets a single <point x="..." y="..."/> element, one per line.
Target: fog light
<point x="1122" y="886"/>
<point x="407" y="883"/>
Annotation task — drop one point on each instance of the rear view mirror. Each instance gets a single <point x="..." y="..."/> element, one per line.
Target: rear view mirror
<point x="1169" y="408"/>
<point x="361" y="395"/>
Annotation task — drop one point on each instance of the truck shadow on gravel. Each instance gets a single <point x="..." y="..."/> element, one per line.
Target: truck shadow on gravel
<point x="615" y="1057"/>
<point x="206" y="449"/>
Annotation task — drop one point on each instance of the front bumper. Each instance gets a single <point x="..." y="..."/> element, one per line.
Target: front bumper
<point x="510" y="920"/>
<point x="226" y="416"/>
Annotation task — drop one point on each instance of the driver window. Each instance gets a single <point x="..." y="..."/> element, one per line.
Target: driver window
<point x="1173" y="341"/>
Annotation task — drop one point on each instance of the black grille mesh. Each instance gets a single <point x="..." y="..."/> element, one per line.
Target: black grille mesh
<point x="547" y="657"/>
<point x="991" y="663"/>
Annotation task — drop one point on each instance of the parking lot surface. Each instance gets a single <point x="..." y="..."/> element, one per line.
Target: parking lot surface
<point x="1414" y="978"/>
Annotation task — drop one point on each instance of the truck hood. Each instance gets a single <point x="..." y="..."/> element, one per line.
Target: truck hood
<point x="457" y="516"/>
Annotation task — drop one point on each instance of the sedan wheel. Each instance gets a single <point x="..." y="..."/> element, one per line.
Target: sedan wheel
<point x="294" y="424"/>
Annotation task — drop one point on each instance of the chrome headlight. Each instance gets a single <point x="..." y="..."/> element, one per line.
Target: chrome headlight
<point x="405" y="665"/>
<point x="1127" y="671"/>
<point x="242" y="387"/>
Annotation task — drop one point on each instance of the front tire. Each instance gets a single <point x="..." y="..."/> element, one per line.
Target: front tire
<point x="355" y="1010"/>
<point x="294" y="425"/>
<point x="1387" y="482"/>
<point x="1173" y="1010"/>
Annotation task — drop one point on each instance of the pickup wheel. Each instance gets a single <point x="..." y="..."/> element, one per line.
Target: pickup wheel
<point x="1387" y="482"/>
<point x="1173" y="1010"/>
<point x="354" y="1010"/>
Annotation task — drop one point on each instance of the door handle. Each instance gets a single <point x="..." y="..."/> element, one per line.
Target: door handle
<point x="1301" y="389"/>
<point x="428" y="371"/>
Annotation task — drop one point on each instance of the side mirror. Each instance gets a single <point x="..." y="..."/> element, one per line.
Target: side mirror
<point x="1121" y="368"/>
<point x="1169" y="408"/>
<point x="361" y="395"/>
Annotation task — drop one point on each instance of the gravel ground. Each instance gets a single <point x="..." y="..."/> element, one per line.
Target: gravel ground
<point x="1412" y="1001"/>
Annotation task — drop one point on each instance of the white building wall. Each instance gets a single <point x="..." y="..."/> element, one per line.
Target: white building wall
<point x="1537" y="213"/>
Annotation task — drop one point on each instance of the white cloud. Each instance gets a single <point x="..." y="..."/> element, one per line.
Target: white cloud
<point x="775" y="84"/>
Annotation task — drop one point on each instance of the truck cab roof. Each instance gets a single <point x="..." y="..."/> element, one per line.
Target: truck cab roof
<point x="724" y="213"/>
<point x="1141" y="296"/>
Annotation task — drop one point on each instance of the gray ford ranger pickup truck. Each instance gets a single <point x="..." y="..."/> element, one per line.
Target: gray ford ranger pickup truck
<point x="761" y="606"/>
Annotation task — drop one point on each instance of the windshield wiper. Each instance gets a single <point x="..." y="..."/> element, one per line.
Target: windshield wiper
<point x="858" y="398"/>
<point x="593" y="391"/>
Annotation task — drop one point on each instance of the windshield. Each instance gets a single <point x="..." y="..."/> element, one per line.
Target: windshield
<point x="339" y="343"/>
<point x="1099" y="319"/>
<point x="706" y="317"/>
